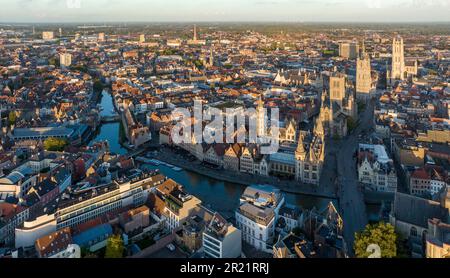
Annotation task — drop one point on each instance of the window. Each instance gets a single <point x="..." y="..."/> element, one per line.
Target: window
<point x="413" y="232"/>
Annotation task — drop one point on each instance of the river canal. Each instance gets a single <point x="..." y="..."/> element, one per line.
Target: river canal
<point x="218" y="195"/>
<point x="110" y="131"/>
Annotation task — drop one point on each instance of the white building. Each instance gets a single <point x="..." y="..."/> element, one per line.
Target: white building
<point x="257" y="215"/>
<point x="48" y="36"/>
<point x="375" y="169"/>
<point x="24" y="177"/>
<point x="27" y="234"/>
<point x="65" y="59"/>
<point x="91" y="204"/>
<point x="429" y="180"/>
<point x="221" y="239"/>
<point x="86" y="205"/>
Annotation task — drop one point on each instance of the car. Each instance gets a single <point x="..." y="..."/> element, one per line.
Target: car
<point x="171" y="247"/>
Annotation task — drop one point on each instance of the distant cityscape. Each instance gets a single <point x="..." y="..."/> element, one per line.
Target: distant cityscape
<point x="90" y="166"/>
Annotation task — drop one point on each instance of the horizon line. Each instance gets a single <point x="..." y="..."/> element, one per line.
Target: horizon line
<point x="224" y="21"/>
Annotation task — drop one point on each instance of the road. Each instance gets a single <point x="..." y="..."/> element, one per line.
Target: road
<point x="340" y="170"/>
<point x="351" y="198"/>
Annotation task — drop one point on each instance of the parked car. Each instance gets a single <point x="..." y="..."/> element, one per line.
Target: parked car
<point x="171" y="247"/>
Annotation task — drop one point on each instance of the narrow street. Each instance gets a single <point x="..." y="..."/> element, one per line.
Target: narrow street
<point x="351" y="198"/>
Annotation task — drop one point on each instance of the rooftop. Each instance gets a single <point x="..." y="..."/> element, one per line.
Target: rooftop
<point x="54" y="243"/>
<point x="42" y="132"/>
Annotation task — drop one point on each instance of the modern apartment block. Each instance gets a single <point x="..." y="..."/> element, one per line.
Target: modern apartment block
<point x="221" y="239"/>
<point x="257" y="215"/>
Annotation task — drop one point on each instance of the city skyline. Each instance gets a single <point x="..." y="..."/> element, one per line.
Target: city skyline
<point x="65" y="11"/>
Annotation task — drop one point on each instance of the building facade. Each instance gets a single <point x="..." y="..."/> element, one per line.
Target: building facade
<point x="256" y="216"/>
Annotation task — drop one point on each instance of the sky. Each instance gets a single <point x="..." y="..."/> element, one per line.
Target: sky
<point x="224" y="10"/>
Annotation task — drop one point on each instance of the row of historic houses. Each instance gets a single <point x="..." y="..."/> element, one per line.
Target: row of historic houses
<point x="300" y="156"/>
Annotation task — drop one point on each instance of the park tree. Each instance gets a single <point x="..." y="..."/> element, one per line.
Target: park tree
<point x="55" y="144"/>
<point x="382" y="235"/>
<point x="114" y="247"/>
<point x="12" y="118"/>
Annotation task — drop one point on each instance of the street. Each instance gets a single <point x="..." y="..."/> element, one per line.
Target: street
<point x="340" y="170"/>
<point x="351" y="198"/>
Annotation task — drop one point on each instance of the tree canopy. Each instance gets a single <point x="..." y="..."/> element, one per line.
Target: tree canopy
<point x="380" y="234"/>
<point x="12" y="118"/>
<point x="55" y="144"/>
<point x="114" y="247"/>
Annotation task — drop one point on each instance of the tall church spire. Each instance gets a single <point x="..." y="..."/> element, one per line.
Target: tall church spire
<point x="211" y="58"/>
<point x="318" y="128"/>
<point x="195" y="32"/>
<point x="300" y="152"/>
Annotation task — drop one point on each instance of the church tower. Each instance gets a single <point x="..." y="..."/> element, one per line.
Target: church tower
<point x="337" y="88"/>
<point x="260" y="119"/>
<point x="398" y="59"/>
<point x="195" y="33"/>
<point x="300" y="157"/>
<point x="363" y="75"/>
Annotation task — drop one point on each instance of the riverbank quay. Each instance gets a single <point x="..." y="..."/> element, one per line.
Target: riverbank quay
<point x="167" y="155"/>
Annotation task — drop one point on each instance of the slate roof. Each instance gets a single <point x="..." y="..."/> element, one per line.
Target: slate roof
<point x="417" y="211"/>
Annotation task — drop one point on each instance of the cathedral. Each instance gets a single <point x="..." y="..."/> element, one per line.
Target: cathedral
<point x="338" y="107"/>
<point x="400" y="69"/>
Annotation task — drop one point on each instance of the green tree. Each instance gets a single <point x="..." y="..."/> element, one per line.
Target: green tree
<point x="198" y="64"/>
<point x="381" y="234"/>
<point x="114" y="247"/>
<point x="55" y="144"/>
<point x="12" y="117"/>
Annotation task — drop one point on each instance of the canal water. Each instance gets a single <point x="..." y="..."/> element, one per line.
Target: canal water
<point x="110" y="131"/>
<point x="223" y="196"/>
<point x="218" y="195"/>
